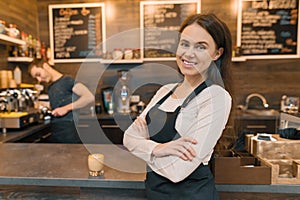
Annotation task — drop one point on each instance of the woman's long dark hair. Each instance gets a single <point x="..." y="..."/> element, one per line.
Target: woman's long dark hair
<point x="222" y="37"/>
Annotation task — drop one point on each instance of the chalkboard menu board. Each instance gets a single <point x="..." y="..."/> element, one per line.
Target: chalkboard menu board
<point x="160" y="22"/>
<point x="77" y="31"/>
<point x="268" y="28"/>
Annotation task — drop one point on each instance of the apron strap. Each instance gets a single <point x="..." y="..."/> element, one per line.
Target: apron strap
<point x="199" y="88"/>
<point x="167" y="95"/>
<point x="191" y="96"/>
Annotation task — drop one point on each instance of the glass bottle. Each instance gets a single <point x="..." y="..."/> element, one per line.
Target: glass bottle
<point x="128" y="54"/>
<point x="136" y="54"/>
<point x="13" y="31"/>
<point x="2" y="27"/>
<point x="117" y="54"/>
<point x="30" y="46"/>
<point x="38" y="54"/>
<point x="18" y="75"/>
<point x="122" y="94"/>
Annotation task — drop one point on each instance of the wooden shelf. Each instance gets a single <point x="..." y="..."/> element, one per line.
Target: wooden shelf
<point x="238" y="59"/>
<point x="105" y="61"/>
<point x="20" y="59"/>
<point x="4" y="39"/>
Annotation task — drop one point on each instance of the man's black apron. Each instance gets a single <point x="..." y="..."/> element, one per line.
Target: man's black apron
<point x="198" y="185"/>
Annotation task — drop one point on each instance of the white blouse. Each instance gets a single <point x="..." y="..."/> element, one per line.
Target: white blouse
<point x="203" y="119"/>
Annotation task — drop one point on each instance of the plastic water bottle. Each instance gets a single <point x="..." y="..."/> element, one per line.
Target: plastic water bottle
<point x="123" y="95"/>
<point x="18" y="75"/>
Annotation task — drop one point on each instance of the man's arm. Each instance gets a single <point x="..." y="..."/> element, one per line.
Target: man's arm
<point x="85" y="98"/>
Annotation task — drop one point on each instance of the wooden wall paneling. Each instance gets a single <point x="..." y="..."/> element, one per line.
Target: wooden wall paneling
<point x="24" y="15"/>
<point x="272" y="78"/>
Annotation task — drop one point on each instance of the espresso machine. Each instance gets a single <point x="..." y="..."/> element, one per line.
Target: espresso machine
<point x="17" y="108"/>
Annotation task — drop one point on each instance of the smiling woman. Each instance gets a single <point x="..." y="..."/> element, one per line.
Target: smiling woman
<point x="177" y="131"/>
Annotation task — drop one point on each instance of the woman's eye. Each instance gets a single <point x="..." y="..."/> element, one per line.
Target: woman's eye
<point x="200" y="47"/>
<point x="184" y="44"/>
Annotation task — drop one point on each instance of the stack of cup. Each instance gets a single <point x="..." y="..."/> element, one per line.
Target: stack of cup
<point x="6" y="76"/>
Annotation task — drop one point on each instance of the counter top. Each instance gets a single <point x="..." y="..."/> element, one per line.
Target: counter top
<point x="105" y="116"/>
<point x="13" y="135"/>
<point x="244" y="115"/>
<point x="66" y="165"/>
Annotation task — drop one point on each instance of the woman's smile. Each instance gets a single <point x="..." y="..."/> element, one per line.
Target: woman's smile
<point x="188" y="64"/>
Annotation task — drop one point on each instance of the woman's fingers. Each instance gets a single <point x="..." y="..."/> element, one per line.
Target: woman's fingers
<point x="188" y="155"/>
<point x="181" y="153"/>
<point x="185" y="149"/>
<point x="183" y="157"/>
<point x="188" y="139"/>
<point x="140" y="124"/>
<point x="190" y="149"/>
<point x="140" y="121"/>
<point x="182" y="148"/>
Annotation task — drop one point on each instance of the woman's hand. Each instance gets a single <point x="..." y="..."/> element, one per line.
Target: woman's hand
<point x="181" y="147"/>
<point x="140" y="121"/>
<point x="141" y="125"/>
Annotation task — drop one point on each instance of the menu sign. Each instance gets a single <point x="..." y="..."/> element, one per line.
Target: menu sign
<point x="77" y="31"/>
<point x="160" y="22"/>
<point x="268" y="28"/>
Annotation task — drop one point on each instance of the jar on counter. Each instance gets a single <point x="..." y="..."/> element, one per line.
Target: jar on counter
<point x="236" y="51"/>
<point x="128" y="54"/>
<point x="136" y="53"/>
<point x="2" y="27"/>
<point x="108" y="55"/>
<point x="98" y="108"/>
<point x="12" y="31"/>
<point x="117" y="54"/>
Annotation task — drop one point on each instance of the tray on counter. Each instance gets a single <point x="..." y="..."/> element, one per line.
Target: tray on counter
<point x="282" y="156"/>
<point x="284" y="171"/>
<point x="230" y="167"/>
<point x="280" y="149"/>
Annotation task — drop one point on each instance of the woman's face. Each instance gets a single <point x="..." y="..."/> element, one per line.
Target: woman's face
<point x="196" y="50"/>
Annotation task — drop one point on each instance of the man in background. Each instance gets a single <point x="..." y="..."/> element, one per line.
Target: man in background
<point x="65" y="96"/>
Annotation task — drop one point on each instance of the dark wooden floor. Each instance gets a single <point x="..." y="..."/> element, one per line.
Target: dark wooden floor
<point x="76" y="193"/>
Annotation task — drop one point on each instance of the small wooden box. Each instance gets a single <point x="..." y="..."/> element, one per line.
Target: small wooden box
<point x="280" y="149"/>
<point x="282" y="156"/>
<point x="284" y="171"/>
<point x="240" y="168"/>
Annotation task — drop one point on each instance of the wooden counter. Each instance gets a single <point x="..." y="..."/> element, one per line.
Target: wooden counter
<point x="14" y="135"/>
<point x="61" y="169"/>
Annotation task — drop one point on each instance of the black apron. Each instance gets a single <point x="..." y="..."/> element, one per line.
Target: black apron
<point x="198" y="185"/>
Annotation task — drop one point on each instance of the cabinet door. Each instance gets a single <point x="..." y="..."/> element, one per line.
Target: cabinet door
<point x="112" y="131"/>
<point x="103" y="131"/>
<point x="90" y="132"/>
<point x="256" y="126"/>
<point x="38" y="137"/>
<point x="252" y="126"/>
